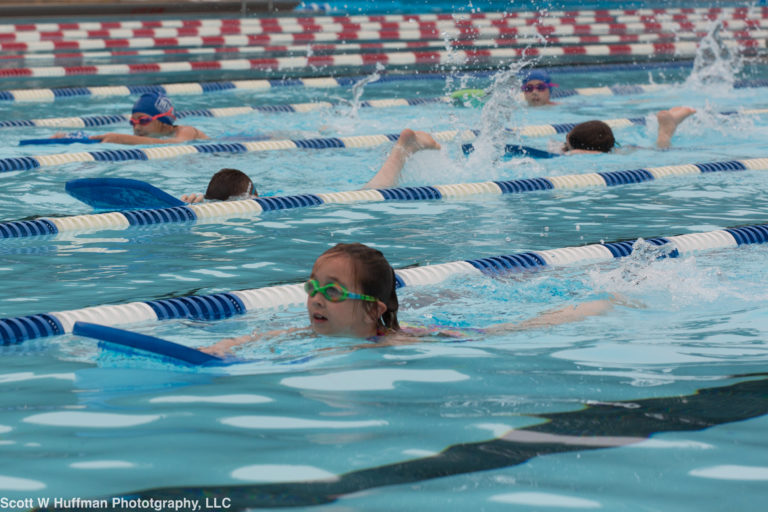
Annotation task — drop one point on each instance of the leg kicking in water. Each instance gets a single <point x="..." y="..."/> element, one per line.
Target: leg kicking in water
<point x="669" y="120"/>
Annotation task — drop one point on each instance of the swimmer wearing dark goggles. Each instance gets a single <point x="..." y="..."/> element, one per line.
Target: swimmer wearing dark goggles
<point x="334" y="292"/>
<point x="535" y="87"/>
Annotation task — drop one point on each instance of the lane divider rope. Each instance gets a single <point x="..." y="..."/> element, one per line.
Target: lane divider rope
<point x="233" y="45"/>
<point x="162" y="152"/>
<point x="223" y="209"/>
<point x="389" y="30"/>
<point x="524" y="17"/>
<point x="106" y="120"/>
<point x="425" y="59"/>
<point x="196" y="88"/>
<point x="218" y="306"/>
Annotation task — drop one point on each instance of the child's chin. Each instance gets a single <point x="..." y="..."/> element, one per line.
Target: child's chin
<point x="321" y="327"/>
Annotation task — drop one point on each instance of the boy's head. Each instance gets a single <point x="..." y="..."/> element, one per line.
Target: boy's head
<point x="590" y="136"/>
<point x="537" y="87"/>
<point x="229" y="184"/>
<point x="150" y="112"/>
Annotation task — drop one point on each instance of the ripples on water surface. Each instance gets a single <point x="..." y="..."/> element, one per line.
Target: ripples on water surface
<point x="79" y="421"/>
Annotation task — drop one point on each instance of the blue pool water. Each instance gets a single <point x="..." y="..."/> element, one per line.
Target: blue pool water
<point x="363" y="7"/>
<point x="311" y="421"/>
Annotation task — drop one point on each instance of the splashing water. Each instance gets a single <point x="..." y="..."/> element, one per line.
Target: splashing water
<point x="359" y="87"/>
<point x="709" y="119"/>
<point x="715" y="65"/>
<point x="649" y="274"/>
<point x="498" y="113"/>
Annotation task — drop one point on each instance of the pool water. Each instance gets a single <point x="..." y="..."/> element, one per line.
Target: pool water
<point x="314" y="421"/>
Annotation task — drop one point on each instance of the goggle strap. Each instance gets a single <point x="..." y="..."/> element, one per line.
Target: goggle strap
<point x="345" y="294"/>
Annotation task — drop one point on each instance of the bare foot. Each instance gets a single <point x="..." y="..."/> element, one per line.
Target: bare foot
<point x="669" y="120"/>
<point x="412" y="141"/>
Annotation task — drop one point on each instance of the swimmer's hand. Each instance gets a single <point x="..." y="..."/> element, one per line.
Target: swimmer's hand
<point x="193" y="198"/>
<point x="224" y="347"/>
<point x="622" y="300"/>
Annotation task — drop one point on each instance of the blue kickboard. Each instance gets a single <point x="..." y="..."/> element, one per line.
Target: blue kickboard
<point x="62" y="140"/>
<point x="120" y="194"/>
<point x="156" y="346"/>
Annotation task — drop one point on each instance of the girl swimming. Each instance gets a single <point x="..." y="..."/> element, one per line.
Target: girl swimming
<point x="351" y="292"/>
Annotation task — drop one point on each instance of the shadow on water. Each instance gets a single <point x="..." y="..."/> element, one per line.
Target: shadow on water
<point x="598" y="425"/>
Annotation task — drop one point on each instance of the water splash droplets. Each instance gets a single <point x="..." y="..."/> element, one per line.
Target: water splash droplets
<point x="715" y="65"/>
<point x="359" y="88"/>
<point x="649" y="274"/>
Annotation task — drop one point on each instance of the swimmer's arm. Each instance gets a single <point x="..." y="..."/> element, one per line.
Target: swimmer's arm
<point x="399" y="338"/>
<point x="124" y="138"/>
<point x="564" y="315"/>
<point x="224" y="347"/>
<point x="626" y="150"/>
<point x="183" y="134"/>
<point x="189" y="133"/>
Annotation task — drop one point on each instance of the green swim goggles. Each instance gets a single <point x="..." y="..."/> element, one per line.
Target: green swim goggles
<point x="334" y="292"/>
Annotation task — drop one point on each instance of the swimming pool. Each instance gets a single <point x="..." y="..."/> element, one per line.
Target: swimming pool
<point x="303" y="426"/>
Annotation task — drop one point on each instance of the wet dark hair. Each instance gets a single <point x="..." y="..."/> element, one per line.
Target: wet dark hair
<point x="228" y="183"/>
<point x="591" y="136"/>
<point x="375" y="276"/>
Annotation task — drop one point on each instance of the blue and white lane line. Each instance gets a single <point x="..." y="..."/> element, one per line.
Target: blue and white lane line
<point x="224" y="305"/>
<point x="197" y="88"/>
<point x="112" y="119"/>
<point x="105" y="120"/>
<point x="209" y="212"/>
<point x="162" y="152"/>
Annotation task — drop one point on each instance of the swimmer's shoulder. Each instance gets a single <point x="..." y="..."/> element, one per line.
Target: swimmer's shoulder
<point x="189" y="133"/>
<point x="412" y="333"/>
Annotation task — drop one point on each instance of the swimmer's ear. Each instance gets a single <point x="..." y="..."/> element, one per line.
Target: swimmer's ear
<point x="379" y="309"/>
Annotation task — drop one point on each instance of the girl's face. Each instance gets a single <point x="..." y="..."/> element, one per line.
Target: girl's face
<point x="349" y="317"/>
<point x="536" y="93"/>
<point x="149" y="127"/>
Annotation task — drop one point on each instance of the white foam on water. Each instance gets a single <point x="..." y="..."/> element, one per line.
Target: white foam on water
<point x="10" y="483"/>
<point x="91" y="419"/>
<point x="281" y="473"/>
<point x="733" y="472"/>
<point x="369" y="380"/>
<point x="218" y="399"/>
<point x="288" y="423"/>
<point x="541" y="499"/>
<point x="103" y="464"/>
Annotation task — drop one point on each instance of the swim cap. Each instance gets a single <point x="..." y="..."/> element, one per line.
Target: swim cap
<point x="541" y="75"/>
<point x="154" y="103"/>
